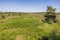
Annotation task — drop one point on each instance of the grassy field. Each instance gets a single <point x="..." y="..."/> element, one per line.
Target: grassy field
<point x="16" y="26"/>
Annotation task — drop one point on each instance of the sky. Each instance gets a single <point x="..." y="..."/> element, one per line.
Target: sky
<point x="28" y="5"/>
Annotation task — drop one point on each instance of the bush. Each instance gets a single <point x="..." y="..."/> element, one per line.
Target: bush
<point x="2" y="16"/>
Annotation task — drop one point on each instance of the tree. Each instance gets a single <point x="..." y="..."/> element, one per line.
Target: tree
<point x="50" y="15"/>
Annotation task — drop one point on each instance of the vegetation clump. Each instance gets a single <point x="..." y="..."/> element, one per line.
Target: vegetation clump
<point x="2" y="16"/>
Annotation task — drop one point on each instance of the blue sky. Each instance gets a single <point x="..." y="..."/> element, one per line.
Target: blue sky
<point x="28" y="5"/>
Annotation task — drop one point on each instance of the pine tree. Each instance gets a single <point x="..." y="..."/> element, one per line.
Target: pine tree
<point x="50" y="15"/>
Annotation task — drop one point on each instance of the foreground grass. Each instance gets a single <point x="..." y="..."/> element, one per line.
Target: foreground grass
<point x="28" y="27"/>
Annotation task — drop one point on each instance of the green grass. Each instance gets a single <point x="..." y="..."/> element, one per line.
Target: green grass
<point x="30" y="26"/>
